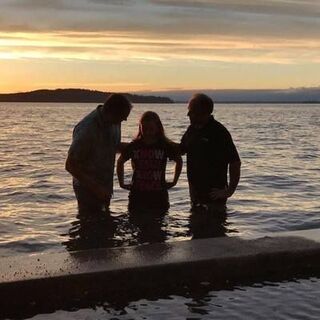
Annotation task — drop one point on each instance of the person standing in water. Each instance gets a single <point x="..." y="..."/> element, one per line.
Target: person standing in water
<point x="211" y="153"/>
<point x="149" y="153"/>
<point x="91" y="156"/>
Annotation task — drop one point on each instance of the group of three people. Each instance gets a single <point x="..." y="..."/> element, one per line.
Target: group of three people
<point x="211" y="155"/>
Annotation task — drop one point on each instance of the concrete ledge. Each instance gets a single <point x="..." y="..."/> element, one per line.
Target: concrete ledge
<point x="48" y="281"/>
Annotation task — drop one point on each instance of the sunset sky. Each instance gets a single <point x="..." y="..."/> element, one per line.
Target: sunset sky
<point x="133" y="45"/>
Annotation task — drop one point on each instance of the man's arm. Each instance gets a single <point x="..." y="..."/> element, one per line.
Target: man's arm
<point x="73" y="167"/>
<point x="177" y="171"/>
<point x="234" y="177"/>
<point x="122" y="146"/>
<point x="120" y="173"/>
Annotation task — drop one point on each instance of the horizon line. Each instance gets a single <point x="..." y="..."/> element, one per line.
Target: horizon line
<point x="164" y="90"/>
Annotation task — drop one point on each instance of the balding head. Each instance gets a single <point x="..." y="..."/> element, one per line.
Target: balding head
<point x="116" y="108"/>
<point x="199" y="109"/>
<point x="202" y="103"/>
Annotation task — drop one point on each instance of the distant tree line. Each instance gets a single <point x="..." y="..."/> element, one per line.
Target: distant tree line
<point x="76" y="95"/>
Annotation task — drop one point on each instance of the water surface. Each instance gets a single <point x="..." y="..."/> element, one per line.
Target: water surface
<point x="285" y="300"/>
<point x="279" y="190"/>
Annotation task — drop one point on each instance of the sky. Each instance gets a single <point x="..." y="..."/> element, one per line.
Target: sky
<point x="154" y="45"/>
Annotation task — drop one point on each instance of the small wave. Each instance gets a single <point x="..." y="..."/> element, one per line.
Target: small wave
<point x="278" y="189"/>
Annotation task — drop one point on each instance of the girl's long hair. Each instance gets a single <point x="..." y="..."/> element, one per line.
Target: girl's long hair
<point x="152" y="116"/>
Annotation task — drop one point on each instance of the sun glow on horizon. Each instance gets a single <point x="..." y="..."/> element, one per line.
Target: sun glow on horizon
<point x="155" y="45"/>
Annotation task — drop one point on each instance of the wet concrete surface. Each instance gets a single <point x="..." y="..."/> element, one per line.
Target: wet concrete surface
<point x="53" y="280"/>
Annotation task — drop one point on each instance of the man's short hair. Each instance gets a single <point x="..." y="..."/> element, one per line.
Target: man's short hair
<point x="117" y="103"/>
<point x="203" y="102"/>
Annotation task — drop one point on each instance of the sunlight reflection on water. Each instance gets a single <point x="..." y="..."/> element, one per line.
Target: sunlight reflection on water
<point x="279" y="188"/>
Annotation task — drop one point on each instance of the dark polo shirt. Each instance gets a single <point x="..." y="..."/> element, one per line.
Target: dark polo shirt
<point x="209" y="151"/>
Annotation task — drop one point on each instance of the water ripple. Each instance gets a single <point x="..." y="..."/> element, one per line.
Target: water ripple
<point x="279" y="188"/>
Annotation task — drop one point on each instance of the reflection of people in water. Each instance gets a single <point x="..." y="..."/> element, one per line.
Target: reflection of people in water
<point x="115" y="230"/>
<point x="207" y="223"/>
<point x="91" y="233"/>
<point x="149" y="152"/>
<point x="150" y="226"/>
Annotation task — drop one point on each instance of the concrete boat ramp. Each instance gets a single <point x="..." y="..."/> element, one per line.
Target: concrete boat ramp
<point x="45" y="282"/>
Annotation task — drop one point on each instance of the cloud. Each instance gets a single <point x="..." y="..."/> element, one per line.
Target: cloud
<point x="125" y="46"/>
<point x="114" y="2"/>
<point x="282" y="31"/>
<point x="285" y="7"/>
<point x="163" y="17"/>
<point x="36" y="5"/>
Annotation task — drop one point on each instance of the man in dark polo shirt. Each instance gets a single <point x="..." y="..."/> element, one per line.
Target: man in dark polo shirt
<point x="91" y="156"/>
<point x="211" y="153"/>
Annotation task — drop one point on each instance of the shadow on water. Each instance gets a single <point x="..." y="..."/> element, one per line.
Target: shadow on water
<point x="150" y="227"/>
<point x="206" y="225"/>
<point x="207" y="222"/>
<point x="91" y="233"/>
<point x="135" y="228"/>
<point x="108" y="231"/>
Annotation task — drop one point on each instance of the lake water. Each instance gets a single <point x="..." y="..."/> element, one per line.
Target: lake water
<point x="284" y="300"/>
<point x="279" y="189"/>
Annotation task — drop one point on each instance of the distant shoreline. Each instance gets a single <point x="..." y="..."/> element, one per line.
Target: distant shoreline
<point x="292" y="96"/>
<point x="173" y="102"/>
<point x="76" y="96"/>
